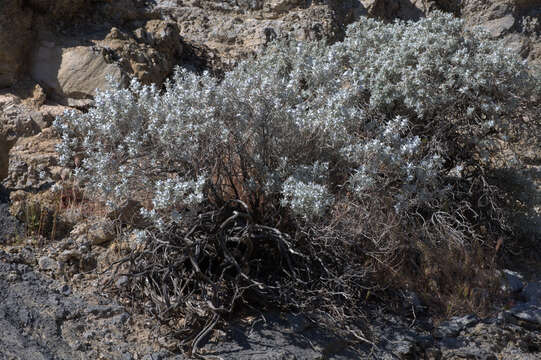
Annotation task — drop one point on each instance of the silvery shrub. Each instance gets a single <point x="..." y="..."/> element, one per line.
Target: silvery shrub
<point x="396" y="109"/>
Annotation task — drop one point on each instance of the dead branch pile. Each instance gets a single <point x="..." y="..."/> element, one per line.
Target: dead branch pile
<point x="202" y="274"/>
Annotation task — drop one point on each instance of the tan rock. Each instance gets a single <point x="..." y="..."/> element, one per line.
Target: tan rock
<point x="68" y="255"/>
<point x="72" y="74"/>
<point x="101" y="232"/>
<point x="500" y="26"/>
<point x="30" y="159"/>
<point x="21" y="117"/>
<point x="164" y="37"/>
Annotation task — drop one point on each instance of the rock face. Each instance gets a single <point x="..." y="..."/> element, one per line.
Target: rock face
<point x="79" y="43"/>
<point x="233" y="30"/>
<point x="39" y="319"/>
<point x="33" y="162"/>
<point x="15" y="40"/>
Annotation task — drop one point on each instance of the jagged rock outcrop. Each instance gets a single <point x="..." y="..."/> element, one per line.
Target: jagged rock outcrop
<point x="33" y="162"/>
<point x="234" y="29"/>
<point x="147" y="39"/>
<point x="77" y="44"/>
<point x="516" y="21"/>
<point x="72" y="68"/>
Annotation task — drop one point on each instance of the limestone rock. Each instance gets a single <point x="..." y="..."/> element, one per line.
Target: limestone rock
<point x="72" y="74"/>
<point x="149" y="53"/>
<point x="163" y="36"/>
<point x="20" y="119"/>
<point x="46" y="263"/>
<point x="235" y="29"/>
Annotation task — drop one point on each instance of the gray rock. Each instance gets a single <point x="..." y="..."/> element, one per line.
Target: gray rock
<point x="512" y="282"/>
<point x="453" y="327"/>
<point x="122" y="281"/>
<point x="47" y="264"/>
<point x="40" y="320"/>
<point x="526" y="315"/>
<point x="105" y="311"/>
<point x="65" y="290"/>
<point x="68" y="255"/>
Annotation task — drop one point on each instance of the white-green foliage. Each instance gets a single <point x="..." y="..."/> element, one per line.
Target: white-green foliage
<point x="302" y="125"/>
<point x="432" y="65"/>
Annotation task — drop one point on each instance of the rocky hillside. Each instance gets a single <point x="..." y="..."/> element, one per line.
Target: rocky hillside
<point x="69" y="47"/>
<point x="54" y="54"/>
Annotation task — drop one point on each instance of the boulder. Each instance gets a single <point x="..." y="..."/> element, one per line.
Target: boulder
<point x="101" y="232"/>
<point x="163" y="36"/>
<point x="72" y="74"/>
<point x="512" y="281"/>
<point x="455" y="325"/>
<point x="500" y="26"/>
<point x="48" y="264"/>
<point x="150" y="53"/>
<point x="71" y="69"/>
